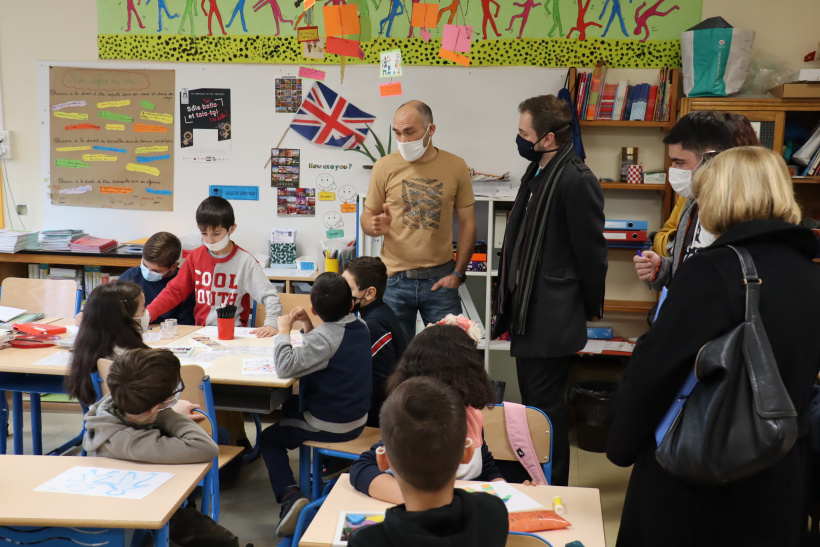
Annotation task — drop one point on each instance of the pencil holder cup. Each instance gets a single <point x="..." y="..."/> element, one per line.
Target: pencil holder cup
<point x="224" y="328"/>
<point x="332" y="265"/>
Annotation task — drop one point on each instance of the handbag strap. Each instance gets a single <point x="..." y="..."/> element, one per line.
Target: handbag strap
<point x="750" y="279"/>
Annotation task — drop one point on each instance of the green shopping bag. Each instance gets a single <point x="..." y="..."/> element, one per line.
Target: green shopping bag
<point x="715" y="58"/>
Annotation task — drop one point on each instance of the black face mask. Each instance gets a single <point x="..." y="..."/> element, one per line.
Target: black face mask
<point x="357" y="305"/>
<point x="526" y="149"/>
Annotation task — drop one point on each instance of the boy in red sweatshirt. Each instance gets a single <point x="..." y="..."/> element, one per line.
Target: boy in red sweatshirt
<point x="220" y="273"/>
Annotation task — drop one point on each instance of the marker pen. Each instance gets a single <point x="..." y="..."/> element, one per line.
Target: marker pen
<point x="558" y="505"/>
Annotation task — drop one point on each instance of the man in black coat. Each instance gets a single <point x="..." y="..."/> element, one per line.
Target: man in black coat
<point x="553" y="267"/>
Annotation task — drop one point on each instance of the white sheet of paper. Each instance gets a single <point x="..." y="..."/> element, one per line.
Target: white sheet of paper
<point x="109" y="483"/>
<point x="518" y="501"/>
<point x="619" y="346"/>
<point x="72" y="330"/>
<point x="238" y="332"/>
<point x="8" y="313"/>
<point x="594" y="346"/>
<point x="59" y="359"/>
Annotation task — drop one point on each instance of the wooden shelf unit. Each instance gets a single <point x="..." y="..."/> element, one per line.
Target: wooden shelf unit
<point x="632" y="187"/>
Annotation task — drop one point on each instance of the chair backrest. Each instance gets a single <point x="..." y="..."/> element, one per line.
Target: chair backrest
<point x="54" y="297"/>
<point x="289" y="301"/>
<point x="495" y="434"/>
<point x="521" y="539"/>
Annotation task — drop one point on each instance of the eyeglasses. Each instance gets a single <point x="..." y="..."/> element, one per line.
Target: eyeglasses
<point x="180" y="388"/>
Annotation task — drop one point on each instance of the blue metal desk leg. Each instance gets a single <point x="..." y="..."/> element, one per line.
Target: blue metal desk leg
<point x="17" y="418"/>
<point x="36" y="424"/>
<point x="317" y="474"/>
<point x="161" y="537"/>
<point x="257" y="450"/>
<point x="4" y="421"/>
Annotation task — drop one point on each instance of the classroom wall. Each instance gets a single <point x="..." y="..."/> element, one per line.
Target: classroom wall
<point x="481" y="129"/>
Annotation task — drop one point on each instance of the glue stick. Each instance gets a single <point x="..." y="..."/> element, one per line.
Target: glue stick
<point x="558" y="505"/>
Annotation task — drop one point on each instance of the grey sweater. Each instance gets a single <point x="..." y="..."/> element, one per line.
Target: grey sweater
<point x="675" y="247"/>
<point x="173" y="438"/>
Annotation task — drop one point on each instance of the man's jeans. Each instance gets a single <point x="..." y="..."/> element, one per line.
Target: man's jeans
<point x="408" y="296"/>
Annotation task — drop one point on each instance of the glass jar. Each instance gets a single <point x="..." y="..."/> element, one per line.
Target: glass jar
<point x="629" y="156"/>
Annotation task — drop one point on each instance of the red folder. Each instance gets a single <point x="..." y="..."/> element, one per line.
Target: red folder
<point x="38" y="328"/>
<point x="625" y="235"/>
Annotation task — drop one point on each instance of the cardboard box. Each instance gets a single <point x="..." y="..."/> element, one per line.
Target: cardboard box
<point x="796" y="91"/>
<point x="805" y="75"/>
<point x="655" y="177"/>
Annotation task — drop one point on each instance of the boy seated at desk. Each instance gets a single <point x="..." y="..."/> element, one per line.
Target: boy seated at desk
<point x="142" y="419"/>
<point x="160" y="264"/>
<point x="335" y="387"/>
<point x="423" y="424"/>
<point x="367" y="277"/>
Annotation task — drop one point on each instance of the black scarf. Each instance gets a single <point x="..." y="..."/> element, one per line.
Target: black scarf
<point x="523" y="239"/>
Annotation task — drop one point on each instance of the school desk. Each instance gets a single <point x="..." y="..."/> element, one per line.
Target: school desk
<point x="582" y="509"/>
<point x="43" y="515"/>
<point x="19" y="374"/>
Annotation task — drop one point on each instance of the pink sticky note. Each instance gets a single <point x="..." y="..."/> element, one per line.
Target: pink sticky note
<point x="457" y="37"/>
<point x="312" y="73"/>
<point x="425" y="34"/>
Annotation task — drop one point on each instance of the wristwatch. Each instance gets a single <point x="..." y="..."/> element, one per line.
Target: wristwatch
<point x="461" y="277"/>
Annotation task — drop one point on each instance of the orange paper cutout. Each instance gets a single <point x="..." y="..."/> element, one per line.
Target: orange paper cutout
<point x="343" y="46"/>
<point x="424" y="15"/>
<point x="341" y="20"/>
<point x="142" y="128"/>
<point x="309" y="4"/>
<point x="348" y="207"/>
<point x="388" y="90"/>
<point x="115" y="190"/>
<point x="454" y="57"/>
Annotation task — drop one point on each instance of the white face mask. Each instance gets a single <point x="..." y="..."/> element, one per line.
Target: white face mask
<point x="145" y="320"/>
<point x="219" y="245"/>
<point x="411" y="151"/>
<point x="681" y="182"/>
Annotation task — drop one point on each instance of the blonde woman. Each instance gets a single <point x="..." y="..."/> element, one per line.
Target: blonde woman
<point x="746" y="199"/>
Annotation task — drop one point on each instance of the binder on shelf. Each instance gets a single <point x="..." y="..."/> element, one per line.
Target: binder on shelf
<point x="625" y="235"/>
<point x="626" y="225"/>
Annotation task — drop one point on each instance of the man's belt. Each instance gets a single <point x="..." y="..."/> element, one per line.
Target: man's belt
<point x="427" y="273"/>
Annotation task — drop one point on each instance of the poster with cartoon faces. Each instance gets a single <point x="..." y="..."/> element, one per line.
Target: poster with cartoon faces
<point x="348" y="194"/>
<point x="333" y="220"/>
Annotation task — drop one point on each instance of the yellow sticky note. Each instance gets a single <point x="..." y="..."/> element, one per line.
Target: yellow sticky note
<point x="99" y="157"/>
<point x="71" y="115"/>
<point x="113" y="104"/>
<point x="149" y="149"/>
<point x="72" y="148"/>
<point x="157" y="117"/>
<point x="327" y="196"/>
<point x="115" y="190"/>
<point x="115" y="127"/>
<point x="142" y="169"/>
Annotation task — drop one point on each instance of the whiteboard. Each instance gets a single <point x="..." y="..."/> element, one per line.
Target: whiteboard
<point x="475" y="111"/>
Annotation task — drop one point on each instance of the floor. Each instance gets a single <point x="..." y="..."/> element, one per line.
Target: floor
<point x="250" y="511"/>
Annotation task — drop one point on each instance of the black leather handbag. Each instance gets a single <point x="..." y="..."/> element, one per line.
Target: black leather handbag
<point x="739" y="418"/>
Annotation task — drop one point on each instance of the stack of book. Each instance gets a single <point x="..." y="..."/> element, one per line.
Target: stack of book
<point x="58" y="240"/>
<point x="597" y="100"/>
<point x="91" y="244"/>
<point x="809" y="155"/>
<point x="12" y="241"/>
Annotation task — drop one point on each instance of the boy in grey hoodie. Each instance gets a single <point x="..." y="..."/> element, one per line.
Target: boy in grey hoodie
<point x="142" y="419"/>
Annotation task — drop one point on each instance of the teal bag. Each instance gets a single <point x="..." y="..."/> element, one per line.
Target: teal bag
<point x="715" y="60"/>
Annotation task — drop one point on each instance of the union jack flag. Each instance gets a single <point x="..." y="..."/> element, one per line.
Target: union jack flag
<point x="327" y="118"/>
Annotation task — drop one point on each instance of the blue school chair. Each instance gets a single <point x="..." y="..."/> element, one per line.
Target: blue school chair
<point x="348" y="450"/>
<point x="540" y="427"/>
<point x="306" y="517"/>
<point x="197" y="390"/>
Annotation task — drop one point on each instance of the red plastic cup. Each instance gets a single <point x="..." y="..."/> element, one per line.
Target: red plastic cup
<point x="224" y="327"/>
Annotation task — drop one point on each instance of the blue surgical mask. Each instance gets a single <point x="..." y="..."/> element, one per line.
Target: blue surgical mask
<point x="150" y="276"/>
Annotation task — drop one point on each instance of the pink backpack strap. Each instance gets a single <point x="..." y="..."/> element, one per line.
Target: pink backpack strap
<point x="518" y="433"/>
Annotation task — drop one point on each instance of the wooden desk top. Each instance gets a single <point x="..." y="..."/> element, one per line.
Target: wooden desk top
<point x="228" y="370"/>
<point x="22" y="360"/>
<point x="582" y="509"/>
<point x="21" y="505"/>
<point x="290" y="275"/>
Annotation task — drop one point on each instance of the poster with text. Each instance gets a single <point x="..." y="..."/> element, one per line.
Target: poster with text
<point x="288" y="94"/>
<point x="112" y="138"/>
<point x="205" y="124"/>
<point x="284" y="167"/>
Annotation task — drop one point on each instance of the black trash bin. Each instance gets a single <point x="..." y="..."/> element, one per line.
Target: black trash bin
<point x="595" y="410"/>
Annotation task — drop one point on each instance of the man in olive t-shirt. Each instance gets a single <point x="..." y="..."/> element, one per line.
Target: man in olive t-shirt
<point x="410" y="201"/>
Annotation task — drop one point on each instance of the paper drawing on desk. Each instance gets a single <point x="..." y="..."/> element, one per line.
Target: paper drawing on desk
<point x="238" y="332"/>
<point x="594" y="346"/>
<point x="352" y="520"/>
<point x="58" y="359"/>
<point x="514" y="499"/>
<point x="618" y="346"/>
<point x="109" y="483"/>
<point x="181" y="351"/>
<point x="207" y="342"/>
<point x="258" y="367"/>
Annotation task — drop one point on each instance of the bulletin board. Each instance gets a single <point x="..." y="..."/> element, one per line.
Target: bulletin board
<point x="551" y="33"/>
<point x="484" y="137"/>
<point x="111" y="138"/>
